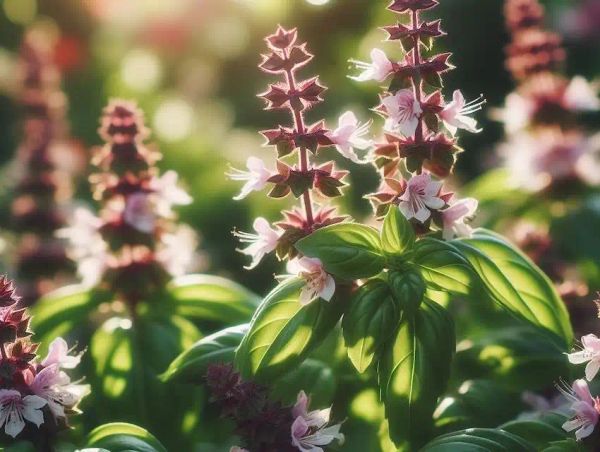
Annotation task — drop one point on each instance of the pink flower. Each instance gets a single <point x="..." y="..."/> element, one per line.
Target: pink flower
<point x="349" y="135"/>
<point x="378" y="70"/>
<point x="590" y="355"/>
<point x="260" y="244"/>
<point x="403" y="111"/>
<point x="319" y="283"/>
<point x="58" y="353"/>
<point x="256" y="177"/>
<point x="86" y="245"/>
<point x="177" y="252"/>
<point x="516" y="114"/>
<point x="309" y="430"/>
<point x="139" y="212"/>
<point x="168" y="193"/>
<point x="55" y="387"/>
<point x="421" y="194"/>
<point x="454" y="218"/>
<point x="585" y="409"/>
<point x="581" y="95"/>
<point x="455" y="114"/>
<point x="15" y="409"/>
<point x="238" y="449"/>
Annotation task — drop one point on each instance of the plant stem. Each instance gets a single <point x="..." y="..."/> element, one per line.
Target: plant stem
<point x="417" y="81"/>
<point x="303" y="152"/>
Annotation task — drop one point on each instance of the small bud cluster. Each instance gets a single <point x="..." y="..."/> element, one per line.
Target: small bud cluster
<point x="36" y="396"/>
<point x="43" y="188"/>
<point x="546" y="148"/>
<point x="419" y="148"/>
<point x="265" y="425"/>
<point x="134" y="246"/>
<point x="304" y="180"/>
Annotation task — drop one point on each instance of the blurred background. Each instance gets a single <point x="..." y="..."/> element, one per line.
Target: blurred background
<point x="192" y="67"/>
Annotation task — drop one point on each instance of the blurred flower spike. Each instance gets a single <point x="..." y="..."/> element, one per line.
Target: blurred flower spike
<point x="134" y="246"/>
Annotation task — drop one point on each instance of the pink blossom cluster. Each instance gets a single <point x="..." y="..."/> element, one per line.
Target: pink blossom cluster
<point x="311" y="183"/>
<point x="545" y="148"/>
<point x="134" y="245"/>
<point x="36" y="395"/>
<point x="419" y="147"/>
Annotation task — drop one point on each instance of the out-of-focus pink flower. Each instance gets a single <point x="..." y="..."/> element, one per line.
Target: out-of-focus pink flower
<point x="378" y="69"/>
<point x="238" y="449"/>
<point x="349" y="136"/>
<point x="15" y="409"/>
<point x="581" y="95"/>
<point x="168" y="194"/>
<point x="403" y="112"/>
<point x="421" y="195"/>
<point x="260" y="244"/>
<point x="456" y="114"/>
<point x="177" y="251"/>
<point x="454" y="218"/>
<point x="584" y="407"/>
<point x="310" y="430"/>
<point x="590" y="354"/>
<point x="58" y="353"/>
<point x="139" y="212"/>
<point x="86" y="245"/>
<point x="319" y="283"/>
<point x="256" y="177"/>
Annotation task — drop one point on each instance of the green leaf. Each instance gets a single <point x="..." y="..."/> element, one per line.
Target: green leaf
<point x="314" y="377"/>
<point x="475" y="404"/>
<point x="397" y="234"/>
<point x="64" y="310"/>
<point x="518" y="358"/>
<point x="443" y="267"/>
<point x="413" y="373"/>
<point x="372" y="318"/>
<point x="517" y="284"/>
<point x="128" y="356"/>
<point x="212" y="298"/>
<point x="283" y="332"/>
<point x="479" y="439"/>
<point x="567" y="445"/>
<point x="347" y="250"/>
<point x="539" y="433"/>
<point x="122" y="437"/>
<point x="191" y="365"/>
<point x="408" y="288"/>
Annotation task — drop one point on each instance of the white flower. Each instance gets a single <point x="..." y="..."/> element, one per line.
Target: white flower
<point x="14" y="409"/>
<point x="256" y="177"/>
<point x="348" y="136"/>
<point x="421" y="194"/>
<point x="260" y="244"/>
<point x="378" y="70"/>
<point x="581" y="95"/>
<point x="58" y="353"/>
<point x="584" y="409"/>
<point x="238" y="449"/>
<point x="455" y="114"/>
<point x="86" y="245"/>
<point x="590" y="355"/>
<point x="55" y="387"/>
<point x="178" y="251"/>
<point x="310" y="430"/>
<point x="319" y="283"/>
<point x="168" y="193"/>
<point x="403" y="111"/>
<point x="139" y="212"/>
<point x="454" y="218"/>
